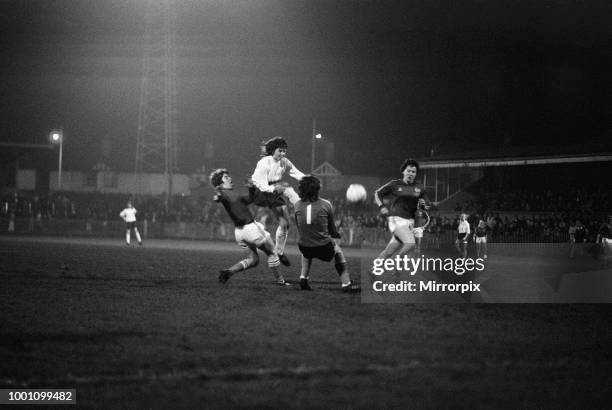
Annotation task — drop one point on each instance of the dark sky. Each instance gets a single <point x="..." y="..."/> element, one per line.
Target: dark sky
<point x="384" y="79"/>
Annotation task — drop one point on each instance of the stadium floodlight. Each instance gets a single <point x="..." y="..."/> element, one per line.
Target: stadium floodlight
<point x="315" y="136"/>
<point x="57" y="137"/>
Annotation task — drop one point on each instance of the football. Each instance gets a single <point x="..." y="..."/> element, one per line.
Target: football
<point x="356" y="193"/>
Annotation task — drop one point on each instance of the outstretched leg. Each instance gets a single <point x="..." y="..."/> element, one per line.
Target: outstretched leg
<point x="250" y="261"/>
<point x="390" y="249"/>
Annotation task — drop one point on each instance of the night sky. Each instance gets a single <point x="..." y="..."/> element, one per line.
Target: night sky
<point x="384" y="79"/>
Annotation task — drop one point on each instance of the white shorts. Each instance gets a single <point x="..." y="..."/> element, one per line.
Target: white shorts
<point x="607" y="242"/>
<point x="401" y="228"/>
<point x="481" y="239"/>
<point x="418" y="232"/>
<point x="252" y="234"/>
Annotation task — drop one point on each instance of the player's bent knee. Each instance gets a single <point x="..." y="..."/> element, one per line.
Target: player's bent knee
<point x="252" y="262"/>
<point x="339" y="257"/>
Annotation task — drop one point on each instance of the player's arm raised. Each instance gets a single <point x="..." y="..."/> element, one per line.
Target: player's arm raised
<point x="293" y="171"/>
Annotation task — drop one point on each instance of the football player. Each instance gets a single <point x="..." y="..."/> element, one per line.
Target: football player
<point x="421" y="220"/>
<point x="271" y="193"/>
<point x="318" y="235"/>
<point x="399" y="200"/>
<point x="463" y="234"/>
<point x="249" y="233"/>
<point x="480" y="238"/>
<point x="605" y="236"/>
<point x="129" y="217"/>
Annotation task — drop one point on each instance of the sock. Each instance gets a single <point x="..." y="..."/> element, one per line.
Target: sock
<point x="127" y="237"/>
<point x="240" y="266"/>
<point x="281" y="239"/>
<point x="273" y="264"/>
<point x="137" y="235"/>
<point x="305" y="270"/>
<point x="340" y="265"/>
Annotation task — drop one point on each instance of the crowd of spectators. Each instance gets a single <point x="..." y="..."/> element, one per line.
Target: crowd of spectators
<point x="512" y="214"/>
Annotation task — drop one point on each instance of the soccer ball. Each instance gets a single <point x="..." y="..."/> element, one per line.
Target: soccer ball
<point x="356" y="193"/>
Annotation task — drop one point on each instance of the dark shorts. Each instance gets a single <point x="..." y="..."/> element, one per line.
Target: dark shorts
<point x="130" y="225"/>
<point x="268" y="199"/>
<point x="325" y="252"/>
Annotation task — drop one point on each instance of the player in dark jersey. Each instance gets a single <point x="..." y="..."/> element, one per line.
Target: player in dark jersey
<point x="480" y="238"/>
<point x="605" y="236"/>
<point x="249" y="233"/>
<point x="399" y="200"/>
<point x="318" y="235"/>
<point x="578" y="237"/>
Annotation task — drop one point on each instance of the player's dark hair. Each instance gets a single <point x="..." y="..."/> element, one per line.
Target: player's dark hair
<point x="308" y="188"/>
<point x="410" y="163"/>
<point x="216" y="177"/>
<point x="273" y="143"/>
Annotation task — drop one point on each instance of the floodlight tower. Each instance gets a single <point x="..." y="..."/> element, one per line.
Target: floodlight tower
<point x="156" y="140"/>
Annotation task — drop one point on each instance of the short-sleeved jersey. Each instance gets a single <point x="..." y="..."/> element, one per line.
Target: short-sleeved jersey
<point x="481" y="231"/>
<point x="400" y="198"/>
<point x="421" y="219"/>
<point x="463" y="229"/>
<point x="269" y="170"/>
<point x="128" y="214"/>
<point x="236" y="205"/>
<point x="315" y="222"/>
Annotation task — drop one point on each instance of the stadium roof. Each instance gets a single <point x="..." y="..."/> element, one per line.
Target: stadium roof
<point x="509" y="156"/>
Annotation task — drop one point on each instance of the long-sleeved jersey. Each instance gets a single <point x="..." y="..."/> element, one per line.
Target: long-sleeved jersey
<point x="315" y="222"/>
<point x="236" y="206"/>
<point x="269" y="171"/>
<point x="400" y="198"/>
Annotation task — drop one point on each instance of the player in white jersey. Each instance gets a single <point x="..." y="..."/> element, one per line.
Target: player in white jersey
<point x="463" y="233"/>
<point x="271" y="192"/>
<point x="129" y="216"/>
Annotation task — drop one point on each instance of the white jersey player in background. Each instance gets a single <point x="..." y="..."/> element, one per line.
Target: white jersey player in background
<point x="129" y="216"/>
<point x="463" y="233"/>
<point x="271" y="193"/>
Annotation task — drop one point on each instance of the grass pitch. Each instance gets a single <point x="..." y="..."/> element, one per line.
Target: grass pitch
<point x="151" y="327"/>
